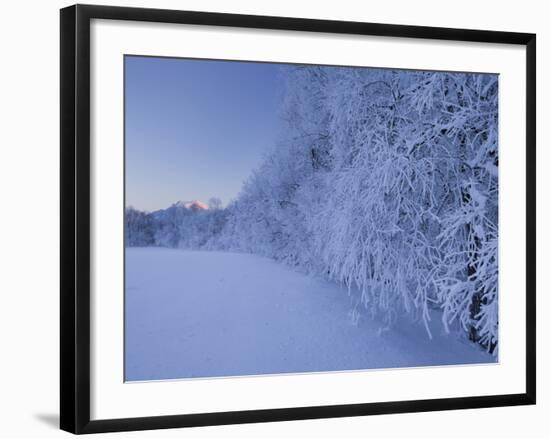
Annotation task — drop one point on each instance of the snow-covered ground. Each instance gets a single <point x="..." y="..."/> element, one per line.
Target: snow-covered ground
<point x="206" y="314"/>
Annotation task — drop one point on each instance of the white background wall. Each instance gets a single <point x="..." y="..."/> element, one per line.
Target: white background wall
<point x="29" y="248"/>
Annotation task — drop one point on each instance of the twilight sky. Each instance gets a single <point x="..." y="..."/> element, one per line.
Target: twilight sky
<point x="196" y="129"/>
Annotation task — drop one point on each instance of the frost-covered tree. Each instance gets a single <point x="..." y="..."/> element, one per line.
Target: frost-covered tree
<point x="214" y="203"/>
<point x="386" y="181"/>
<point x="170" y="225"/>
<point x="139" y="229"/>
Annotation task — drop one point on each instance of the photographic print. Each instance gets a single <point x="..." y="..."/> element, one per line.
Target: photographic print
<point x="286" y="218"/>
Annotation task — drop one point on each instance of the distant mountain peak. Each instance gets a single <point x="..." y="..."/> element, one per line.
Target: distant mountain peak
<point x="193" y="205"/>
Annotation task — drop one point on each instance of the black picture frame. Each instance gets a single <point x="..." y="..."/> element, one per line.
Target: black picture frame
<point x="75" y="217"/>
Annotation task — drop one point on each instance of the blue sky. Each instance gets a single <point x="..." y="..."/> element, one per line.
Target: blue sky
<point x="195" y="129"/>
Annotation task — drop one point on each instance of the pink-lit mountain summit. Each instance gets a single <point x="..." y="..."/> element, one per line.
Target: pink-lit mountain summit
<point x="193" y="205"/>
